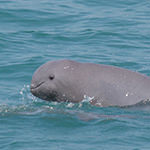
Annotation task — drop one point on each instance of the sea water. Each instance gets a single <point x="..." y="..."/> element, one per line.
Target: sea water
<point x="33" y="32"/>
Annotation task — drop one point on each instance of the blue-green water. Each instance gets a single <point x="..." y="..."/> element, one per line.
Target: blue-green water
<point x="108" y="32"/>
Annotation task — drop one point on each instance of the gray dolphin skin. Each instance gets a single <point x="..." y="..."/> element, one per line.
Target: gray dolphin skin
<point x="71" y="81"/>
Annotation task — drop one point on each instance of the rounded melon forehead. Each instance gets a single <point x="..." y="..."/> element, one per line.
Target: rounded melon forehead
<point x="60" y="64"/>
<point x="55" y="68"/>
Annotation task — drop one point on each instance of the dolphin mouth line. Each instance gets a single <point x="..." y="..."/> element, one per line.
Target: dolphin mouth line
<point x="34" y="87"/>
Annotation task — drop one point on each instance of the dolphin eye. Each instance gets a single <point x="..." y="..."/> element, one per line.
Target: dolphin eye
<point x="51" y="77"/>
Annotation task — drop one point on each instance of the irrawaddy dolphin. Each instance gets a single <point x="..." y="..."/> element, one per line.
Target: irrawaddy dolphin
<point x="71" y="81"/>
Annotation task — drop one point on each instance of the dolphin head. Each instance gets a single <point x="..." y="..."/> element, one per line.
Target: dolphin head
<point x="53" y="81"/>
<point x="43" y="84"/>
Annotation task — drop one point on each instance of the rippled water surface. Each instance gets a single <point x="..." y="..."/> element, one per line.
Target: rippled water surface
<point x="107" y="32"/>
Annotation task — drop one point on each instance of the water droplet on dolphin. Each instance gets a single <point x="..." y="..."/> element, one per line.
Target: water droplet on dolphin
<point x="127" y="94"/>
<point x="66" y="67"/>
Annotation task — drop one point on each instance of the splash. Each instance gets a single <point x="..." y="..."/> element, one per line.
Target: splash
<point x="27" y="98"/>
<point x="31" y="105"/>
<point x="26" y="95"/>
